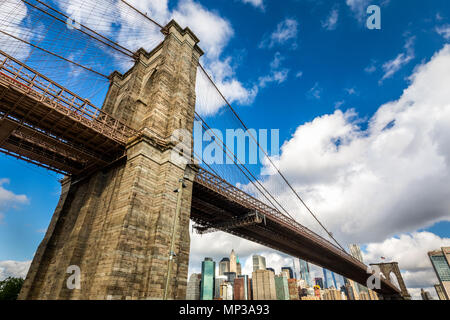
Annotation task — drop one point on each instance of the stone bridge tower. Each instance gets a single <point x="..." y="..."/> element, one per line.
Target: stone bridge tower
<point x="120" y="225"/>
<point x="386" y="269"/>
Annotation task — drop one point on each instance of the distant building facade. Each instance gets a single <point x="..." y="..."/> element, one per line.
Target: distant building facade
<point x="193" y="287"/>
<point x="282" y="287"/>
<point x="259" y="262"/>
<point x="293" y="289"/>
<point x="288" y="272"/>
<point x="425" y="295"/>
<point x="440" y="292"/>
<point x="233" y="262"/>
<point x="208" y="277"/>
<point x="304" y="272"/>
<point x="224" y="266"/>
<point x="263" y="283"/>
<point x="440" y="259"/>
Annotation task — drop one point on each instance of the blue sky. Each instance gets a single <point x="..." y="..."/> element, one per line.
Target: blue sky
<point x="295" y="64"/>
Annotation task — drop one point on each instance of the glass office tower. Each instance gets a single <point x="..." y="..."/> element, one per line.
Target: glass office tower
<point x="304" y="272"/>
<point x="208" y="278"/>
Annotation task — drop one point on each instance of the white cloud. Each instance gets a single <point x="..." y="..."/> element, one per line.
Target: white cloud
<point x="371" y="68"/>
<point x="299" y="74"/>
<point x="410" y="251"/>
<point x="213" y="30"/>
<point x="255" y="3"/>
<point x="367" y="185"/>
<point x="285" y="32"/>
<point x="331" y="22"/>
<point x="391" y="67"/>
<point x="315" y="92"/>
<point x="12" y="15"/>
<point x="8" y="198"/>
<point x="358" y="7"/>
<point x="277" y="73"/>
<point x="16" y="269"/>
<point x="444" y="31"/>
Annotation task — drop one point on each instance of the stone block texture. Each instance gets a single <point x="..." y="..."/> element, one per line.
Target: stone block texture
<point x="116" y="224"/>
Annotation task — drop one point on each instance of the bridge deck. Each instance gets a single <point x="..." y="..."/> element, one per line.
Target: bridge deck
<point x="42" y="120"/>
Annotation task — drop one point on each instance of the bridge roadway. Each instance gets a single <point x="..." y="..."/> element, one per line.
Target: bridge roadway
<point x="43" y="123"/>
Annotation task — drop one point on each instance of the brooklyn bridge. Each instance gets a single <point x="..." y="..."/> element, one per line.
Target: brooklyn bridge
<point x="118" y="217"/>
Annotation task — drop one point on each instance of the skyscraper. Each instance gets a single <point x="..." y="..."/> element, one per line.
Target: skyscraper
<point x="355" y="251"/>
<point x="293" y="289"/>
<point x="208" y="277"/>
<point x="247" y="286"/>
<point x="425" y="295"/>
<point x="238" y="267"/>
<point x="219" y="281"/>
<point x="230" y="276"/>
<point x="224" y="266"/>
<point x="282" y="287"/>
<point x="440" y="292"/>
<point x="440" y="259"/>
<point x="263" y="283"/>
<point x="259" y="263"/>
<point x="329" y="278"/>
<point x="193" y="287"/>
<point x="233" y="262"/>
<point x="289" y="272"/>
<point x="304" y="272"/>
<point x="239" y="289"/>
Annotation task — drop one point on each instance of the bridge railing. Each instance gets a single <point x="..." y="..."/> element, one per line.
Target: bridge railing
<point x="24" y="78"/>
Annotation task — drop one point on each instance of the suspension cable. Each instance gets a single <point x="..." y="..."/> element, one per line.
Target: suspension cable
<point x="270" y="160"/>
<point x="54" y="54"/>
<point x="105" y="40"/>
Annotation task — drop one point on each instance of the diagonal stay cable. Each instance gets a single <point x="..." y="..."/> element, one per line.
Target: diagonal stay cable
<point x="270" y="160"/>
<point x="54" y="54"/>
<point x="239" y="165"/>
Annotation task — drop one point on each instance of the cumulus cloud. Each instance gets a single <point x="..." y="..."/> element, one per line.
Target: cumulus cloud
<point x="410" y="251"/>
<point x="391" y="178"/>
<point x="15" y="269"/>
<point x="285" y="32"/>
<point x="213" y="30"/>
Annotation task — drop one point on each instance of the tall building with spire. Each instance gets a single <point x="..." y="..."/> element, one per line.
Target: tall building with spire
<point x="238" y="267"/>
<point x="233" y="262"/>
<point x="355" y="251"/>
